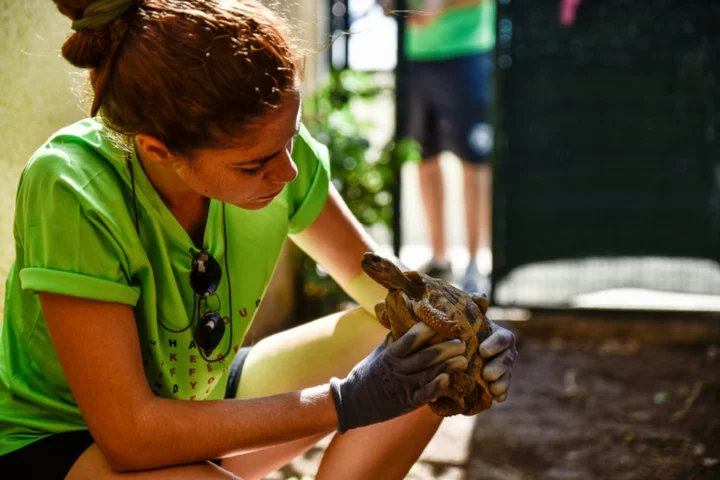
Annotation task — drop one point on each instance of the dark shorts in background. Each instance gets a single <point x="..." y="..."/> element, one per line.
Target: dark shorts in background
<point x="450" y="103"/>
<point x="52" y="457"/>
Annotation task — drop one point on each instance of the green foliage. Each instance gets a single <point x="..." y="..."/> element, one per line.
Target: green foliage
<point x="361" y="172"/>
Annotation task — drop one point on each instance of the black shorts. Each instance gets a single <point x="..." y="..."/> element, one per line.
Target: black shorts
<point x="52" y="457"/>
<point x="450" y="106"/>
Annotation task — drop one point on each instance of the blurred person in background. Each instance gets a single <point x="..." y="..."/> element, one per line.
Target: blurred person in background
<point x="145" y="239"/>
<point x="449" y="45"/>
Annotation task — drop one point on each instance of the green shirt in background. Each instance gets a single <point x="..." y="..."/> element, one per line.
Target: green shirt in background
<point x="458" y="31"/>
<point x="75" y="235"/>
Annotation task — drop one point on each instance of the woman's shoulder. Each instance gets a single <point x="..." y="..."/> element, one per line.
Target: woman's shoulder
<point x="81" y="148"/>
<point x="76" y="153"/>
<point x="78" y="160"/>
<point x="307" y="148"/>
<point x="310" y="156"/>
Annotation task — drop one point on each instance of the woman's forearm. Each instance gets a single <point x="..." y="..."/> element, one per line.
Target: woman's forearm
<point x="159" y="435"/>
<point x="366" y="291"/>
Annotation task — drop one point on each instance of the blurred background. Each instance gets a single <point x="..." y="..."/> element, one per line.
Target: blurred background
<point x="605" y="239"/>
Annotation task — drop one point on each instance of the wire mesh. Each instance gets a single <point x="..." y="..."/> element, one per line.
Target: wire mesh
<point x="607" y="162"/>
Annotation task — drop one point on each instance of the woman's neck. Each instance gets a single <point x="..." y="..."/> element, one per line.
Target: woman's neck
<point x="188" y="207"/>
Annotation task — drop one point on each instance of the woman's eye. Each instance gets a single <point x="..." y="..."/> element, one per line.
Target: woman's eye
<point x="252" y="171"/>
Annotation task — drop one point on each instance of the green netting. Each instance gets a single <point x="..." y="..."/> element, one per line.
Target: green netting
<point x="607" y="136"/>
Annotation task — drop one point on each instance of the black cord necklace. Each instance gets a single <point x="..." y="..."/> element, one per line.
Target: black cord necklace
<point x="229" y="319"/>
<point x="197" y="298"/>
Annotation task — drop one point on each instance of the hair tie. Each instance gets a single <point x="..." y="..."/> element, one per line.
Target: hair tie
<point x="101" y="12"/>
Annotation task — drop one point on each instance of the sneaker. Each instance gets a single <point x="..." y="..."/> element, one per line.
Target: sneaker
<point x="480" y="285"/>
<point x="435" y="269"/>
<point x="474" y="282"/>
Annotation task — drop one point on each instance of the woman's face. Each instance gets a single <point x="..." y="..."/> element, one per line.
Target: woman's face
<point x="254" y="171"/>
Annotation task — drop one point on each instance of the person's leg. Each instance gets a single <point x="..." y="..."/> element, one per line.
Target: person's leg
<point x="59" y="452"/>
<point x="310" y="355"/>
<point x="478" y="206"/>
<point x="294" y="359"/>
<point x="92" y="464"/>
<point x="386" y="450"/>
<point x="432" y="195"/>
<point x="423" y="128"/>
<point x="75" y="456"/>
<point x="467" y="112"/>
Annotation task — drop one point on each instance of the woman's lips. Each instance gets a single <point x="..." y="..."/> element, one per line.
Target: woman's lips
<point x="270" y="196"/>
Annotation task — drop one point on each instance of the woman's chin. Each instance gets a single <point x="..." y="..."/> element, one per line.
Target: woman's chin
<point x="256" y="203"/>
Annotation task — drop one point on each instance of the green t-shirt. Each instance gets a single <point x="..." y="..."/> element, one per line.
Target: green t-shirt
<point x="456" y="32"/>
<point x="75" y="235"/>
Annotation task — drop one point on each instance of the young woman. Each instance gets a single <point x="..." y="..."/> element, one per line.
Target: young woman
<point x="146" y="236"/>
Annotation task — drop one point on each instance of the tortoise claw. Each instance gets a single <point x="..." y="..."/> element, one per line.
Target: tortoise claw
<point x="438" y="321"/>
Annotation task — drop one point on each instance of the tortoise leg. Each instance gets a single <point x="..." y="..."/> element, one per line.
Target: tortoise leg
<point x="481" y="301"/>
<point x="438" y="321"/>
<point x="447" y="407"/>
<point x="483" y="403"/>
<point x="471" y="402"/>
<point x="381" y="314"/>
<point x="482" y="398"/>
<point x="477" y="401"/>
<point x="485" y="395"/>
<point x="463" y="384"/>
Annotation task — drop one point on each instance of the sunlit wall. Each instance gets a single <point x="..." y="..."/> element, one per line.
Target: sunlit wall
<point x="39" y="89"/>
<point x="36" y="98"/>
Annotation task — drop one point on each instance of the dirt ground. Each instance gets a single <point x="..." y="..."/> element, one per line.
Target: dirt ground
<point x="604" y="411"/>
<point x="585" y="411"/>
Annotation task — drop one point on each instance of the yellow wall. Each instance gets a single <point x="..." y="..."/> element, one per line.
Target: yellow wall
<point x="36" y="98"/>
<point x="40" y="92"/>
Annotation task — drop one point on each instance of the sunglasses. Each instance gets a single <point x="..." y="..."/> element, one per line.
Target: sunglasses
<point x="205" y="278"/>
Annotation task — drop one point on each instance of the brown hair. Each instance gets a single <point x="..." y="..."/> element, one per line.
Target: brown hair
<point x="191" y="73"/>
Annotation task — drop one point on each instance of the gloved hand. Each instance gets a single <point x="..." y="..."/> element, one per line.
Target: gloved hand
<point x="395" y="379"/>
<point x="499" y="349"/>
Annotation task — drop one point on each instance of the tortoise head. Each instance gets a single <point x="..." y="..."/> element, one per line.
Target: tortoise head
<point x="387" y="274"/>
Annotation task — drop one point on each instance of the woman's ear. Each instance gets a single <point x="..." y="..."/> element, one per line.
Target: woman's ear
<point x="153" y="149"/>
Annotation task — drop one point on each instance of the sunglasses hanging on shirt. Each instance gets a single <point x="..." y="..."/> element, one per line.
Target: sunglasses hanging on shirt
<point x="205" y="276"/>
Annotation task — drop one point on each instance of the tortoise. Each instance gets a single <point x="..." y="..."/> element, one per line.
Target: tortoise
<point x="451" y="312"/>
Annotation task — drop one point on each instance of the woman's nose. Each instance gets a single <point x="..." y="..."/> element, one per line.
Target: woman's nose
<point x="284" y="169"/>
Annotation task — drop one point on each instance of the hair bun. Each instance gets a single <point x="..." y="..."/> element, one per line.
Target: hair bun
<point x="86" y="48"/>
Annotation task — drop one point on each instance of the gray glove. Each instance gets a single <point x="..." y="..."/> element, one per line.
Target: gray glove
<point x="499" y="349"/>
<point x="395" y="379"/>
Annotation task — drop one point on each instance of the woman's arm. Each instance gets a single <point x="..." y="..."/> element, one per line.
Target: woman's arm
<point x="337" y="241"/>
<point x="98" y="348"/>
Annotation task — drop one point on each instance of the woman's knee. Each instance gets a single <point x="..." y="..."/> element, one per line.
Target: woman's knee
<point x="309" y="354"/>
<point x="397" y="445"/>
